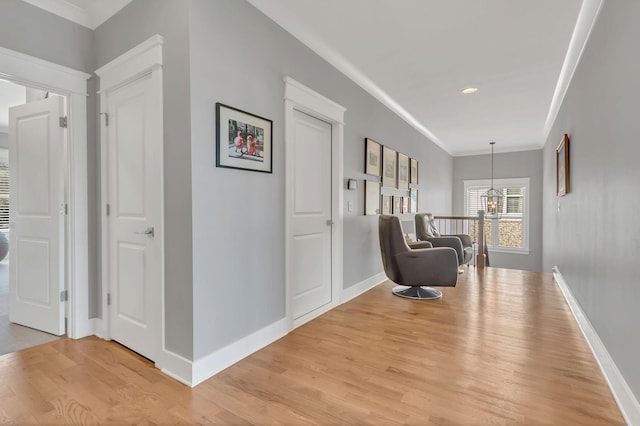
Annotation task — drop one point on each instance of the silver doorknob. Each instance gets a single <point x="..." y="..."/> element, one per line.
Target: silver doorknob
<point x="149" y="232"/>
<point x="329" y="222"/>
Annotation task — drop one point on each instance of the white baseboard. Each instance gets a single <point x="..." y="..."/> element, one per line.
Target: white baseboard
<point x="625" y="398"/>
<point x="169" y="363"/>
<point x="210" y="365"/>
<point x="359" y="288"/>
<point x="176" y="366"/>
<point x="192" y="373"/>
<point x="215" y="362"/>
<point x="313" y="314"/>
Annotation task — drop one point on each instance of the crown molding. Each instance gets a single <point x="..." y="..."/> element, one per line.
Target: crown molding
<point x="289" y="23"/>
<point x="589" y="12"/>
<point x="91" y="17"/>
<point x="519" y="148"/>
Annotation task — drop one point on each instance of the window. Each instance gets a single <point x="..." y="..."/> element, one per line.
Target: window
<point x="510" y="233"/>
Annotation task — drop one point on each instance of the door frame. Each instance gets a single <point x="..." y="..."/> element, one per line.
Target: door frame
<point x="144" y="59"/>
<point x="301" y="98"/>
<point x="72" y="84"/>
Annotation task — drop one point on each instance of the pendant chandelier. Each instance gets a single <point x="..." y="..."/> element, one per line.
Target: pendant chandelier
<point x="492" y="199"/>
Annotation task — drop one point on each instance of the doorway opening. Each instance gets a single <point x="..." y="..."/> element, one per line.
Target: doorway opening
<point x="13" y="336"/>
<point x="313" y="246"/>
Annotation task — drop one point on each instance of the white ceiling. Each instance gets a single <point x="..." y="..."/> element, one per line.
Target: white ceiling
<point x="417" y="55"/>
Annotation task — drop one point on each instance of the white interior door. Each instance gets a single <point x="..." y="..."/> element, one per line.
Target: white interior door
<point x="311" y="221"/>
<point x="135" y="215"/>
<point x="36" y="170"/>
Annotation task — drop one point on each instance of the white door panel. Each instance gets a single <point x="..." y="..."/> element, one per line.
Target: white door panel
<point x="311" y="222"/>
<point x="131" y="279"/>
<point x="134" y="182"/>
<point x="36" y="170"/>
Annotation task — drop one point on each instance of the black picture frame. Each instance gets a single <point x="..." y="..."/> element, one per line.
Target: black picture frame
<point x="389" y="167"/>
<point x="372" y="157"/>
<point x="562" y="167"/>
<point x="244" y="153"/>
<point x="403" y="171"/>
<point x="371" y="198"/>
<point x="413" y="175"/>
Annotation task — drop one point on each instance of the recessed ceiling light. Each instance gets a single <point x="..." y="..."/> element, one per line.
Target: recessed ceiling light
<point x="469" y="90"/>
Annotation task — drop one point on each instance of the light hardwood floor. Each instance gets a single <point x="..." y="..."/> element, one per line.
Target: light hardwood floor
<point x="500" y="348"/>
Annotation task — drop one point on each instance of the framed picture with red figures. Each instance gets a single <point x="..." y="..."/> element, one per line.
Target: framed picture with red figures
<point x="243" y="140"/>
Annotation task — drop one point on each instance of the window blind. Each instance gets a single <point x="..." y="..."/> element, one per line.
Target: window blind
<point x="4" y="195"/>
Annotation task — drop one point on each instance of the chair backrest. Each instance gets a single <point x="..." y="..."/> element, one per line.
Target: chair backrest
<point x="425" y="226"/>
<point x="392" y="243"/>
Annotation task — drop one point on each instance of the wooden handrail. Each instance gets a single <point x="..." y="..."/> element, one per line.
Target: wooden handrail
<point x="458" y="217"/>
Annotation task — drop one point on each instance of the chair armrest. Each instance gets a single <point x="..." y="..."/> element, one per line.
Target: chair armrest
<point x="419" y="245"/>
<point x="449" y="241"/>
<point x="435" y="266"/>
<point x="464" y="238"/>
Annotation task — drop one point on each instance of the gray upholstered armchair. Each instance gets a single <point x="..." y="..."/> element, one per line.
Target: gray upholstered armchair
<point x="426" y="230"/>
<point x="414" y="269"/>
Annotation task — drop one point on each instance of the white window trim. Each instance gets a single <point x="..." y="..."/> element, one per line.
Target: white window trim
<point x="503" y="183"/>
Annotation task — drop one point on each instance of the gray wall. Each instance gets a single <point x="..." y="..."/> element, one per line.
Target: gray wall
<point x="31" y="30"/>
<point x="4" y="140"/>
<point x="134" y="24"/>
<point x="506" y="165"/>
<point x="245" y="69"/>
<point x="594" y="238"/>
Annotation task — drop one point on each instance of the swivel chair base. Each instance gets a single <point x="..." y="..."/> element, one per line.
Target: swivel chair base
<point x="420" y="293"/>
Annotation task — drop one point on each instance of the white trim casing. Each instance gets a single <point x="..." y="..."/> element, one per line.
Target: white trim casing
<point x="34" y="72"/>
<point x="301" y="98"/>
<point x="627" y="402"/>
<point x="146" y="58"/>
<point x="41" y="74"/>
<point x="132" y="64"/>
<point x="79" y="324"/>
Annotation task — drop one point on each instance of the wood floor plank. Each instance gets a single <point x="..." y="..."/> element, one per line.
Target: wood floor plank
<point x="501" y="347"/>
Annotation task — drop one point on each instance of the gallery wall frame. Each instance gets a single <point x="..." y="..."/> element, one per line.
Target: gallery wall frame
<point x="372" y="157"/>
<point x="371" y="197"/>
<point x="387" y="204"/>
<point x="397" y="177"/>
<point x="403" y="171"/>
<point x="389" y="167"/>
<point x="413" y="171"/>
<point x="397" y="204"/>
<point x="562" y="167"/>
<point x="406" y="205"/>
<point x="243" y="140"/>
<point x="413" y="204"/>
